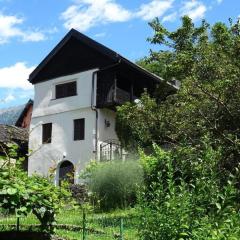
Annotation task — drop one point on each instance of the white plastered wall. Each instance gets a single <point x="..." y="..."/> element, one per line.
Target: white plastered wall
<point x="106" y="133"/>
<point x="61" y="113"/>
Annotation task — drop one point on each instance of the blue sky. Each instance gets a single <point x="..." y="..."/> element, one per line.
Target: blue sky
<point x="29" y="29"/>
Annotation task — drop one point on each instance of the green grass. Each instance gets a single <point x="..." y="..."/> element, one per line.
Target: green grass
<point x="30" y="219"/>
<point x="103" y="226"/>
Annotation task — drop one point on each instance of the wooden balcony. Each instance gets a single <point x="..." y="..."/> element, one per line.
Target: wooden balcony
<point x="116" y="97"/>
<point x="118" y="86"/>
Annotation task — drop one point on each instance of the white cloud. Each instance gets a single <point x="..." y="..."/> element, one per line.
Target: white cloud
<point x="25" y="94"/>
<point x="16" y="76"/>
<point x="85" y="14"/>
<point x="33" y="37"/>
<point x="8" y="98"/>
<point x="155" y="8"/>
<point x="194" y="9"/>
<point x="10" y="28"/>
<point x="219" y="1"/>
<point x="170" y="18"/>
<point x="100" y="35"/>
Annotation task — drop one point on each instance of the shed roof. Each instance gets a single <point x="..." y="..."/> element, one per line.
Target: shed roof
<point x="12" y="133"/>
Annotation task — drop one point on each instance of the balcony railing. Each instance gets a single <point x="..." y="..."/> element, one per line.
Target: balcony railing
<point x="111" y="150"/>
<point x="118" y="96"/>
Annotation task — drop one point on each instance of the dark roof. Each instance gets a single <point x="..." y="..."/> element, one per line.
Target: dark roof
<point x="11" y="116"/>
<point x="13" y="134"/>
<point x="69" y="52"/>
<point x="24" y="112"/>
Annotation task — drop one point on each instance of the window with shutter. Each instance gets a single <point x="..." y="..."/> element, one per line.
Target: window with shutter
<point x="47" y="133"/>
<point x="79" y="129"/>
<point x="66" y="89"/>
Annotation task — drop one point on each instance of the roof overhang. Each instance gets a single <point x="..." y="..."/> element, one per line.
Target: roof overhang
<point x="105" y="52"/>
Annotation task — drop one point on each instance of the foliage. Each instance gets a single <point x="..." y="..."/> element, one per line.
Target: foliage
<point x="191" y="191"/>
<point x="205" y="60"/>
<point x="79" y="193"/>
<point x="175" y="206"/>
<point x="22" y="194"/>
<point x="140" y="124"/>
<point x="114" y="184"/>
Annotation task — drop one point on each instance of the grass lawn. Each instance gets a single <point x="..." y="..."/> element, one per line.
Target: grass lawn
<point x="101" y="226"/>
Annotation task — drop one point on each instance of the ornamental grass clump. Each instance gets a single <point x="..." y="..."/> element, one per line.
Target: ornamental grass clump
<point x="114" y="184"/>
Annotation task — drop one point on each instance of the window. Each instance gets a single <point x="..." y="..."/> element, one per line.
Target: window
<point x="66" y="89"/>
<point x="47" y="133"/>
<point x="79" y="129"/>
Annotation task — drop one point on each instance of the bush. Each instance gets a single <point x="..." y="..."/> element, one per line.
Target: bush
<point x="114" y="184"/>
<point x="22" y="195"/>
<point x="79" y="192"/>
<point x="185" y="198"/>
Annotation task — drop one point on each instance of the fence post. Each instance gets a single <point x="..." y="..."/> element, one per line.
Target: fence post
<point x="121" y="229"/>
<point x="84" y="226"/>
<point x="18" y="224"/>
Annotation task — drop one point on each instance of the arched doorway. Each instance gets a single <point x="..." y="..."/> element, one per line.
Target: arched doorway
<point x="66" y="172"/>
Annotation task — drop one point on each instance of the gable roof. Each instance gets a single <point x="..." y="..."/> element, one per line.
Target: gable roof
<point x="71" y="42"/>
<point x="12" y="116"/>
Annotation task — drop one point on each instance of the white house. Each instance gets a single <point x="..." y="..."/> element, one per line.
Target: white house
<point x="77" y="88"/>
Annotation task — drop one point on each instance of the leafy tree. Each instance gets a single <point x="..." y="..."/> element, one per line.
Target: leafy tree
<point x="205" y="60"/>
<point x="191" y="191"/>
<point x="140" y="124"/>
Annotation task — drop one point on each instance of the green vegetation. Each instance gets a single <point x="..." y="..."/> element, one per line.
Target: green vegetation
<point x="114" y="184"/>
<point x="191" y="189"/>
<point x="206" y="61"/>
<point x="99" y="225"/>
<point x="22" y="195"/>
<point x="187" y="200"/>
<point x="186" y="182"/>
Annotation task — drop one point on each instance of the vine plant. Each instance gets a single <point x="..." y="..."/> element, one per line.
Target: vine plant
<point x="22" y="194"/>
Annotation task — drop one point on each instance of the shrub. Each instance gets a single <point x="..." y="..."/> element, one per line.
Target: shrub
<point x="79" y="192"/>
<point x="185" y="198"/>
<point x="22" y="195"/>
<point x="114" y="184"/>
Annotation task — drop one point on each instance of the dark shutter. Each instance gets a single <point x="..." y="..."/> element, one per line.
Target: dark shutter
<point x="47" y="133"/>
<point x="59" y="91"/>
<point x="66" y="89"/>
<point x="79" y="129"/>
<point x="71" y="89"/>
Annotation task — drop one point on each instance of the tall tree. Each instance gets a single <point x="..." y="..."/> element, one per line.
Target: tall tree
<point x="206" y="61"/>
